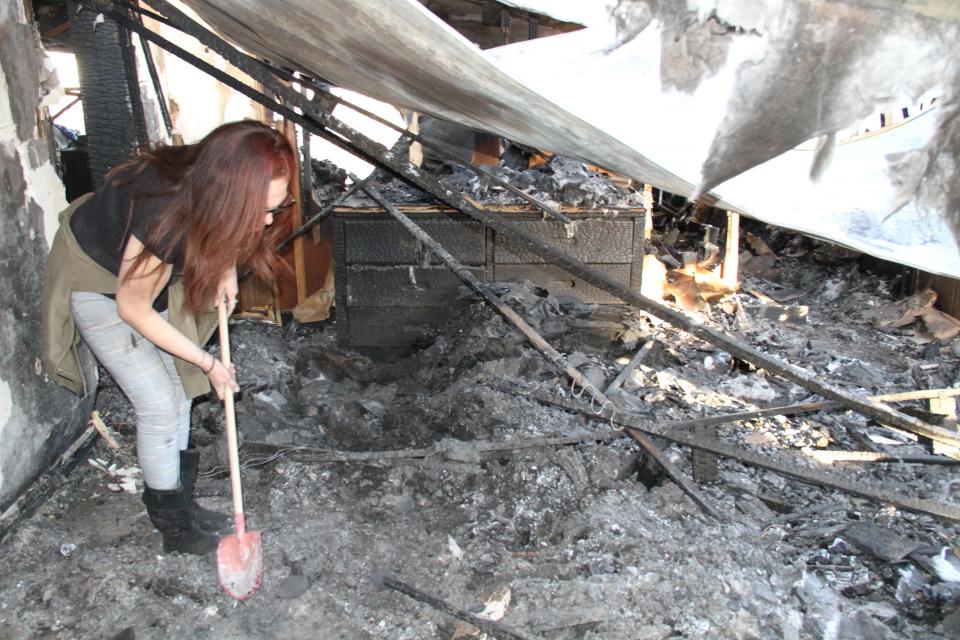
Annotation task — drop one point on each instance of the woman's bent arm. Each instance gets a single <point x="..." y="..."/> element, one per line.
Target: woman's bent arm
<point x="136" y="292"/>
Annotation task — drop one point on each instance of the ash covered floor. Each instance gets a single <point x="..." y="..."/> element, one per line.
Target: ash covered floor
<point x="576" y="541"/>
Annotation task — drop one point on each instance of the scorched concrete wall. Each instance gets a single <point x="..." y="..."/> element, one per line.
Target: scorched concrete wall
<point x="37" y="418"/>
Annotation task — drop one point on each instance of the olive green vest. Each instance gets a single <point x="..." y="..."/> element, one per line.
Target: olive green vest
<point x="69" y="269"/>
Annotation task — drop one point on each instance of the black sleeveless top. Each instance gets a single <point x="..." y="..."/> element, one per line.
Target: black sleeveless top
<point x="120" y="208"/>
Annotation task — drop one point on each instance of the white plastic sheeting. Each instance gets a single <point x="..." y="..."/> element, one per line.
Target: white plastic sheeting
<point x="851" y="203"/>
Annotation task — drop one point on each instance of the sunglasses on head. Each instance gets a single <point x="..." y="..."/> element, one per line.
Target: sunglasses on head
<point x="285" y="206"/>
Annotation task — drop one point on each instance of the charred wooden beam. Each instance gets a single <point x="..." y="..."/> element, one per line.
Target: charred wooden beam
<point x="155" y="80"/>
<point x="477" y="451"/>
<point x="481" y="449"/>
<point x="829" y="457"/>
<point x="919" y="394"/>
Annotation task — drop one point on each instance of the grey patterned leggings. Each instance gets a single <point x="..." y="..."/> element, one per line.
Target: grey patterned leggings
<point x="148" y="378"/>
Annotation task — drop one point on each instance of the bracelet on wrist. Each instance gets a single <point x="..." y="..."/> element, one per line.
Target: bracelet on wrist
<point x="213" y="363"/>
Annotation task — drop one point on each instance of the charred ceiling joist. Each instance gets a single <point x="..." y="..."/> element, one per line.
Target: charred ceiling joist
<point x="686" y="432"/>
<point x="332" y="129"/>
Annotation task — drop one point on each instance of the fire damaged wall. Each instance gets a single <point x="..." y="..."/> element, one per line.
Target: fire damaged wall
<point x="37" y="418"/>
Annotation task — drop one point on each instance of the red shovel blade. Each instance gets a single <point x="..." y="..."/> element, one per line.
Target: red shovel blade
<point x="240" y="563"/>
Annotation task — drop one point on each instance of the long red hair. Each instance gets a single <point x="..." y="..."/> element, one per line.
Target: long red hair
<point x="218" y="203"/>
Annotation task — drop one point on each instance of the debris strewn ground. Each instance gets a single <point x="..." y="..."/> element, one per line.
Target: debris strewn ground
<point x="578" y="541"/>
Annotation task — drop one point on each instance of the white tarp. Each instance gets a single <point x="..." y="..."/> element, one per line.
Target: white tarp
<point x="851" y="203"/>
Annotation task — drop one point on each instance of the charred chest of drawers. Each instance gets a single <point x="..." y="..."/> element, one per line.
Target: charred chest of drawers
<point x="391" y="291"/>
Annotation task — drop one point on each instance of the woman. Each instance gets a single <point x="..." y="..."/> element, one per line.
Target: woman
<point x="137" y="269"/>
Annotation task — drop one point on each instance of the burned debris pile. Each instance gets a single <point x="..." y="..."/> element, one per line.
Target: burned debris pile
<point x="444" y="468"/>
<point x="560" y="181"/>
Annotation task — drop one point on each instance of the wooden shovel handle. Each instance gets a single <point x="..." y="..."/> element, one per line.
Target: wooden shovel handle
<point x="232" y="446"/>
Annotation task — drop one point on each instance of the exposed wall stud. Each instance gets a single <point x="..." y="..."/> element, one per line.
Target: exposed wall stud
<point x="731" y="253"/>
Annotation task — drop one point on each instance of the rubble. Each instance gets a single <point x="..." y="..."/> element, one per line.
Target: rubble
<point x="560" y="182"/>
<point x="420" y="467"/>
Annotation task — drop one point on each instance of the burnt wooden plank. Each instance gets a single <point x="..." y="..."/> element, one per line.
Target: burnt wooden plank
<point x="403" y="286"/>
<point x="385" y="241"/>
<point x="596" y="240"/>
<point x="560" y="283"/>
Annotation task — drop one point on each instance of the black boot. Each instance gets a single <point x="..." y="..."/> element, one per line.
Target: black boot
<point x="171" y="512"/>
<point x="207" y="520"/>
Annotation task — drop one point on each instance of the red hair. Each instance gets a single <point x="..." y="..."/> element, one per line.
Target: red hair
<point x="218" y="203"/>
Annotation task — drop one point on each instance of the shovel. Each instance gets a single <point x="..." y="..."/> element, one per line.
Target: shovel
<point x="239" y="557"/>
